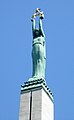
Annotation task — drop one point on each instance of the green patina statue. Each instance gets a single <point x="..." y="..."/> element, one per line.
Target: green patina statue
<point x="38" y="47"/>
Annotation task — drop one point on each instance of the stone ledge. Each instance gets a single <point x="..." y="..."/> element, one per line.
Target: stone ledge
<point x="36" y="84"/>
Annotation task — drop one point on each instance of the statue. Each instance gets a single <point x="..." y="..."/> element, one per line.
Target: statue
<point x="38" y="47"/>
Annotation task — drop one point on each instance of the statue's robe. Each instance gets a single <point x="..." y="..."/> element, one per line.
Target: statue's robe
<point x="38" y="52"/>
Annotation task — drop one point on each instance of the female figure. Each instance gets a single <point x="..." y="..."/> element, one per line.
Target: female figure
<point x="38" y="50"/>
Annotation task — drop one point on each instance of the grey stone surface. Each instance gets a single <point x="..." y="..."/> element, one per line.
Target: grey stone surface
<point x="47" y="107"/>
<point x="36" y="105"/>
<point x="24" y="106"/>
<point x="42" y="106"/>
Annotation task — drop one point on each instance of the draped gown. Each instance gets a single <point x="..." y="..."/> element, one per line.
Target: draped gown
<point x="38" y="51"/>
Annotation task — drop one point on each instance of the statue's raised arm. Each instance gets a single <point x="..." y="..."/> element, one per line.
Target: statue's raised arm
<point x="33" y="26"/>
<point x="41" y="27"/>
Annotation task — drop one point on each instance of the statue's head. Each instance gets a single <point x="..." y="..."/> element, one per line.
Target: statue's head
<point x="37" y="32"/>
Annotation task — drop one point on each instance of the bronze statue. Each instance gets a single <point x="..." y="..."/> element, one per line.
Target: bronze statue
<point x="38" y="47"/>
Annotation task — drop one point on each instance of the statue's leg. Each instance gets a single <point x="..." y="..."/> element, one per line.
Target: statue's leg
<point x="38" y="60"/>
<point x="41" y="60"/>
<point x="34" y="59"/>
<point x="34" y="63"/>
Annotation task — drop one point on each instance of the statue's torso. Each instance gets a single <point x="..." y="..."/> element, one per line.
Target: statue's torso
<point x="38" y="40"/>
<point x="39" y="47"/>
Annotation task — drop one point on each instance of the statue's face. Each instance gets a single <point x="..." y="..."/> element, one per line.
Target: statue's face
<point x="37" y="32"/>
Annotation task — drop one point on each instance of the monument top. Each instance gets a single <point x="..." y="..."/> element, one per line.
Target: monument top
<point x="38" y="13"/>
<point x="37" y="81"/>
<point x="38" y="47"/>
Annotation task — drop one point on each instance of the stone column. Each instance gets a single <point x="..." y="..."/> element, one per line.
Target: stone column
<point x="36" y="102"/>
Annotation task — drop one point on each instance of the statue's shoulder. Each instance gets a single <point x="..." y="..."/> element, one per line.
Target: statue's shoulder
<point x="38" y="40"/>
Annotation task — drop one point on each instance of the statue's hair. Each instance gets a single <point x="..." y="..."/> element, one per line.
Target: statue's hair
<point x="36" y="29"/>
<point x="34" y="33"/>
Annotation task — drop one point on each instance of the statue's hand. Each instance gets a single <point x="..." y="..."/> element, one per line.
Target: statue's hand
<point x="41" y="15"/>
<point x="32" y="19"/>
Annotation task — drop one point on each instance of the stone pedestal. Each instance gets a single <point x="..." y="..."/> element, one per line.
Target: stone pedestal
<point x="36" y="102"/>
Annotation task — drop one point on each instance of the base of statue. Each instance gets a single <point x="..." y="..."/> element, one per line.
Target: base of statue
<point x="36" y="78"/>
<point x="36" y="83"/>
<point x="36" y="101"/>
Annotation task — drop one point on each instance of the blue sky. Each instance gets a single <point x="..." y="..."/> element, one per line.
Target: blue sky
<point x="15" y="53"/>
